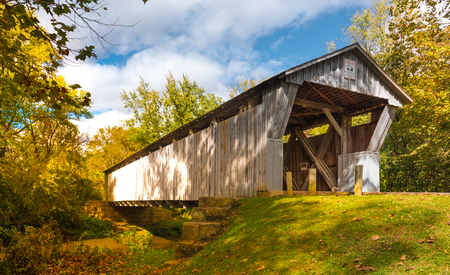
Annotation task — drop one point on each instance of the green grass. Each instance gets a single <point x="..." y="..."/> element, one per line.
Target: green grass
<point x="320" y="235"/>
<point x="90" y="228"/>
<point x="167" y="229"/>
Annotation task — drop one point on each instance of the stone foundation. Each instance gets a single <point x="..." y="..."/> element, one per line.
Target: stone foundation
<point x="140" y="216"/>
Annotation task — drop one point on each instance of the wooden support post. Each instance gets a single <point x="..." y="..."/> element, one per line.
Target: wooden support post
<point x="312" y="181"/>
<point x="290" y="192"/>
<point x="358" y="179"/>
<point x="294" y="184"/>
<point x="345" y="138"/>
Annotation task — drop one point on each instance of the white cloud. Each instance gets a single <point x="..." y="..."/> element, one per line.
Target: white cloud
<point x="110" y="118"/>
<point x="274" y="45"/>
<point x="210" y="41"/>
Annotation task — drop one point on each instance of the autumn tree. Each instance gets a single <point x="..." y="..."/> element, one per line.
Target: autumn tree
<point x="42" y="167"/>
<point x="155" y="114"/>
<point x="242" y="85"/>
<point x="107" y="147"/>
<point x="409" y="39"/>
<point x="416" y="155"/>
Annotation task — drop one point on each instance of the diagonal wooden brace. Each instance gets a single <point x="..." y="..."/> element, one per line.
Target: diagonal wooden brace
<point x="323" y="169"/>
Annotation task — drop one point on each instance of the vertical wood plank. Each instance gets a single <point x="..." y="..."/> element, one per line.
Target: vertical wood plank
<point x="360" y="76"/>
<point x="340" y="72"/>
<point x="270" y="164"/>
<point x="233" y="156"/>
<point x="314" y="73"/>
<point x="251" y="145"/>
<point x="327" y="71"/>
<point x="306" y="73"/>
<point x="320" y="72"/>
<point x="211" y="159"/>
<point x="365" y="79"/>
<point x="228" y="157"/>
<point x="300" y="77"/>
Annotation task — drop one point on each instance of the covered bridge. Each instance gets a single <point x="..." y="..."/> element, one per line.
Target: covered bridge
<point x="237" y="149"/>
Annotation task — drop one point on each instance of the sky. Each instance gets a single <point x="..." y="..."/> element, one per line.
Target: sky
<point x="214" y="43"/>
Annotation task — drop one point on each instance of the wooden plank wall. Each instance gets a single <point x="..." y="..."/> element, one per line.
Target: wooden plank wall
<point x="360" y="135"/>
<point x="228" y="158"/>
<point x="331" y="72"/>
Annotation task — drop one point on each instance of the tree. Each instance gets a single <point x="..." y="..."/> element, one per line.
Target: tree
<point x="156" y="115"/>
<point x="416" y="153"/>
<point x="42" y="167"/>
<point x="20" y="28"/>
<point x="369" y="29"/>
<point x="242" y="85"/>
<point x="108" y="147"/>
<point x="28" y="72"/>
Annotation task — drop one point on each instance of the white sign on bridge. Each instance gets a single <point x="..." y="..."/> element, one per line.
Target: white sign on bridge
<point x="349" y="69"/>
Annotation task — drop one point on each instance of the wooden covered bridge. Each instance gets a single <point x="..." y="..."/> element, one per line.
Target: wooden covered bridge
<point x="237" y="149"/>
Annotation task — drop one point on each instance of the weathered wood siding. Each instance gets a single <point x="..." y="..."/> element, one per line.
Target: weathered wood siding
<point x="230" y="158"/>
<point x="360" y="135"/>
<point x="371" y="171"/>
<point x="330" y="72"/>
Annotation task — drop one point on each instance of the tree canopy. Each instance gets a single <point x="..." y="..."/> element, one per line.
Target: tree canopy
<point x="155" y="114"/>
<point x="409" y="40"/>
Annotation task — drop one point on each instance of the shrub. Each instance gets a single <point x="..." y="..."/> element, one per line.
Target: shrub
<point x="138" y="241"/>
<point x="166" y="228"/>
<point x="28" y="251"/>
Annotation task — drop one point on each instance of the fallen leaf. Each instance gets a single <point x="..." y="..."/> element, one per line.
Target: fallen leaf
<point x="344" y="212"/>
<point x="400" y="263"/>
<point x="410" y="268"/>
<point x="403" y="257"/>
<point x="361" y="267"/>
<point x="421" y="241"/>
<point x="312" y="253"/>
<point x="375" y="238"/>
<point x="356" y="260"/>
<point x="448" y="223"/>
<point x="244" y="260"/>
<point x="357" y="219"/>
<point x="260" y="268"/>
<point x="321" y="241"/>
<point x="284" y="216"/>
<point x="432" y="227"/>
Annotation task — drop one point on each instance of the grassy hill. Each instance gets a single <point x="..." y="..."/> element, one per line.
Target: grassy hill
<point x="380" y="234"/>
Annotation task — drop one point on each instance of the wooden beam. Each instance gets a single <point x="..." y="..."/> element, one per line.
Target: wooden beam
<point x="296" y="121"/>
<point x="323" y="96"/>
<point x="348" y="97"/>
<point x="309" y="114"/>
<point x="288" y="149"/>
<point x="333" y="122"/>
<point x="317" y="105"/>
<point x="325" y="142"/>
<point x="346" y="125"/>
<point x="323" y="169"/>
<point x="283" y="111"/>
<point x="380" y="132"/>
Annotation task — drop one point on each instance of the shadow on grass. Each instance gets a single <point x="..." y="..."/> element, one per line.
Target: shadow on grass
<point x="320" y="234"/>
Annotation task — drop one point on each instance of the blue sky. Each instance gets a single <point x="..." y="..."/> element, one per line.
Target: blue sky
<point x="214" y="42"/>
